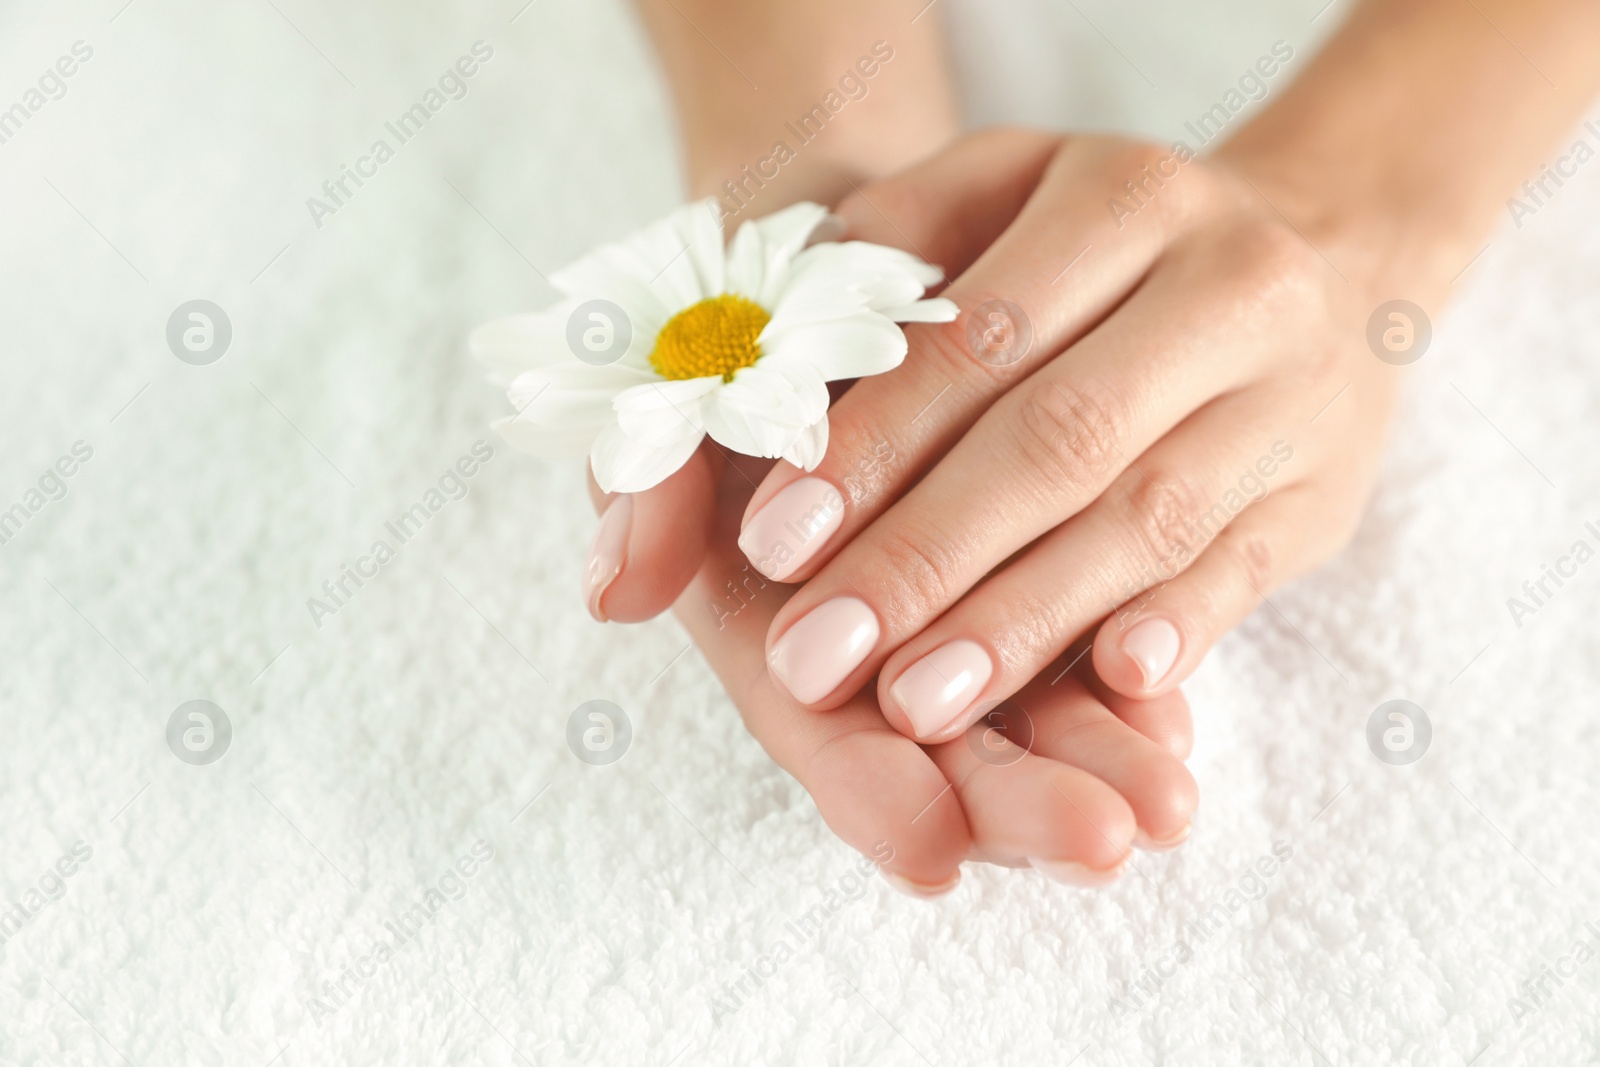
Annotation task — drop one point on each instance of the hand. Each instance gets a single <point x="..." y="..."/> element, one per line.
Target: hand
<point x="1196" y="419"/>
<point x="1068" y="776"/>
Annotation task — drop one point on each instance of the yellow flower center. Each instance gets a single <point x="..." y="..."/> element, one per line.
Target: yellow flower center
<point x="715" y="336"/>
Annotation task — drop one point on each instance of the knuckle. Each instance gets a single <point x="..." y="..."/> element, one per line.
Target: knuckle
<point x="953" y="353"/>
<point x="1037" y="620"/>
<point x="1279" y="268"/>
<point x="1070" y="434"/>
<point x="1254" y="558"/>
<point x="918" y="570"/>
<point x="1127" y="158"/>
<point x="1164" y="509"/>
<point x="1177" y="189"/>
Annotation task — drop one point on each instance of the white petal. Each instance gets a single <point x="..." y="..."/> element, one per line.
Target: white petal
<point x="762" y="249"/>
<point x="516" y="343"/>
<point x="808" y="449"/>
<point x="883" y="276"/>
<point x="657" y="413"/>
<point x="756" y="414"/>
<point x="622" y="464"/>
<point x="813" y="302"/>
<point x="561" y="410"/>
<point x="836" y="281"/>
<point x="936" y="310"/>
<point x="792" y="394"/>
<point x="865" y="343"/>
<point x="747" y="267"/>
<point x="660" y="270"/>
<point x="705" y="241"/>
<point x="560" y="335"/>
<point x="801" y="389"/>
<point x="573" y="391"/>
<point x="621" y="273"/>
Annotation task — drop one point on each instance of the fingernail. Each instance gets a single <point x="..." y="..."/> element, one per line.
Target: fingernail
<point x="1075" y="874"/>
<point x="918" y="889"/>
<point x="938" y="688"/>
<point x="792" y="527"/>
<point x="606" y="556"/>
<point x="823" y="648"/>
<point x="1166" y="844"/>
<point x="1153" y="645"/>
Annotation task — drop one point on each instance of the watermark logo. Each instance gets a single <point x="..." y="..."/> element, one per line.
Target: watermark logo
<point x="1399" y="332"/>
<point x="1399" y="732"/>
<point x="1002" y="735"/>
<point x="599" y="732"/>
<point x="599" y="332"/>
<point x="199" y="332"/>
<point x="999" y="333"/>
<point x="199" y="732"/>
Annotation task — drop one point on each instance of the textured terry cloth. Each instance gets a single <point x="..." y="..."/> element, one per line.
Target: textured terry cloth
<point x="305" y="900"/>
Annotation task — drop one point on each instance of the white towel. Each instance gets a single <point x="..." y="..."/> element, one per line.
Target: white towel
<point x="400" y="776"/>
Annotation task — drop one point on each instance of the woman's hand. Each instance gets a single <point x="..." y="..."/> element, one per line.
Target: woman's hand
<point x="1066" y="778"/>
<point x="1166" y="395"/>
<point x="1156" y="406"/>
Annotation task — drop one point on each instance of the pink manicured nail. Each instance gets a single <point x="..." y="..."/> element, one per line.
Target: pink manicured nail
<point x="606" y="557"/>
<point x="939" y="687"/>
<point x="1076" y="874"/>
<point x="917" y="889"/>
<point x="1153" y="645"/>
<point x="792" y="526"/>
<point x="823" y="648"/>
<point x="1166" y="844"/>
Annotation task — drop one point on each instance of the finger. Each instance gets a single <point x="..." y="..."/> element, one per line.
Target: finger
<point x="1165" y="720"/>
<point x="876" y="789"/>
<point x="1153" y="522"/>
<point x="950" y="208"/>
<point x="650" y="544"/>
<point x="1083" y="729"/>
<point x="889" y="429"/>
<point x="1044" y="451"/>
<point x="1026" y="807"/>
<point x="1152" y="643"/>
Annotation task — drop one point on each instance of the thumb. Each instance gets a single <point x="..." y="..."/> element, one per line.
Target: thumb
<point x="651" y="544"/>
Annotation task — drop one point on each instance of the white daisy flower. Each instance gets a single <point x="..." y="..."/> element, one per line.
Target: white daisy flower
<point x="667" y="336"/>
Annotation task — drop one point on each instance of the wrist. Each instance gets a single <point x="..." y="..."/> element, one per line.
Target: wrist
<point x="1386" y="237"/>
<point x="1395" y="149"/>
<point x="759" y="172"/>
